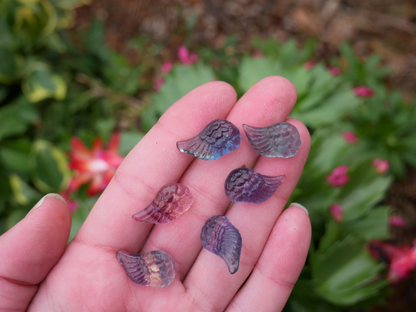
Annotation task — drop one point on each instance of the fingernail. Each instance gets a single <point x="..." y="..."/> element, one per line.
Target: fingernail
<point x="50" y="195"/>
<point x="300" y="206"/>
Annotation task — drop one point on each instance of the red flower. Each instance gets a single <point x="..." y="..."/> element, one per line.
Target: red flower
<point x="350" y="137"/>
<point x="185" y="57"/>
<point x="258" y="54"/>
<point x="402" y="259"/>
<point x="308" y="65"/>
<point x="158" y="84"/>
<point x="363" y="91"/>
<point x="96" y="165"/>
<point x="338" y="176"/>
<point x="334" y="71"/>
<point x="336" y="212"/>
<point x="397" y="221"/>
<point x="167" y="67"/>
<point x="380" y="165"/>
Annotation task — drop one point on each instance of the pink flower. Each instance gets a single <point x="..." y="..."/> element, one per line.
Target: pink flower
<point x="158" y="84"/>
<point x="72" y="205"/>
<point x="338" y="176"/>
<point x="185" y="57"/>
<point x="167" y="67"/>
<point x="96" y="165"/>
<point x="397" y="221"/>
<point x="402" y="259"/>
<point x="363" y="91"/>
<point x="336" y="212"/>
<point x="308" y="65"/>
<point x="258" y="54"/>
<point x="350" y="137"/>
<point x="380" y="165"/>
<point x="334" y="71"/>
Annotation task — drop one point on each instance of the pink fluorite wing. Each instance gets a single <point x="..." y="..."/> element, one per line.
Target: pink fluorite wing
<point x="171" y="201"/>
<point x="244" y="185"/>
<point x="278" y="140"/>
<point x="155" y="268"/>
<point x="218" y="138"/>
<point x="220" y="237"/>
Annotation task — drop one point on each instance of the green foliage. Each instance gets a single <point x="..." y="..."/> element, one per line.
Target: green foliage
<point x="345" y="273"/>
<point x="175" y="87"/>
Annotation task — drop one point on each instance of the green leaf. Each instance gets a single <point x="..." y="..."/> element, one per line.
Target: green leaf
<point x="15" y="155"/>
<point x="374" y="225"/>
<point x="49" y="167"/>
<point x="14" y="217"/>
<point x="326" y="151"/>
<point x="15" y="118"/>
<point x="79" y="216"/>
<point x="129" y="140"/>
<point x="95" y="39"/>
<point x="3" y="93"/>
<point x="305" y="299"/>
<point x="254" y="69"/>
<point x="364" y="189"/>
<point x="181" y="80"/>
<point x="23" y="193"/>
<point x="346" y="274"/>
<point x="331" y="110"/>
<point x="10" y="66"/>
<point x="41" y="84"/>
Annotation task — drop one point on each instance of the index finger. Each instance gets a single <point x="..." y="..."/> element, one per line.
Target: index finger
<point x="151" y="164"/>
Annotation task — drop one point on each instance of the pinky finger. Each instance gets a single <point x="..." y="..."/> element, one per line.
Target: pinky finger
<point x="279" y="266"/>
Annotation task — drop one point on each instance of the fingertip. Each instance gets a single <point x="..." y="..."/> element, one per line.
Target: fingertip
<point x="37" y="241"/>
<point x="297" y="224"/>
<point x="286" y="90"/>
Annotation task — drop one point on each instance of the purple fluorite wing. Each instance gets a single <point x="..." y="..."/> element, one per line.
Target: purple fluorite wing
<point x="279" y="140"/>
<point x="244" y="185"/>
<point x="154" y="268"/>
<point x="220" y="237"/>
<point x="171" y="201"/>
<point x="219" y="137"/>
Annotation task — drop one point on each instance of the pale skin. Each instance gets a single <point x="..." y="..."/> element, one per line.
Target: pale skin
<point x="40" y="272"/>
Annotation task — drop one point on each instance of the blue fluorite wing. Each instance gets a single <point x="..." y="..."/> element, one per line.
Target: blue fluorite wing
<point x="279" y="140"/>
<point x="220" y="237"/>
<point x="218" y="138"/>
<point x="244" y="185"/>
<point x="155" y="268"/>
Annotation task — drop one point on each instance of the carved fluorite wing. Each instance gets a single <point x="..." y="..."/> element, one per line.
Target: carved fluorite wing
<point x="278" y="140"/>
<point x="154" y="268"/>
<point x="244" y="185"/>
<point x="171" y="201"/>
<point x="219" y="137"/>
<point x="220" y="237"/>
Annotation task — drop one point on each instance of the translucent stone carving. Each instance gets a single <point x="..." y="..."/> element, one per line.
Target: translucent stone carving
<point x="220" y="237"/>
<point x="244" y="185"/>
<point x="154" y="268"/>
<point x="171" y="201"/>
<point x="278" y="140"/>
<point x="218" y="138"/>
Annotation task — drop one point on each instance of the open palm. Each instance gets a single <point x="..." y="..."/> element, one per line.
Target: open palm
<point x="38" y="272"/>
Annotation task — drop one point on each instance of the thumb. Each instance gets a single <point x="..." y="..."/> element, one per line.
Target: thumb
<point x="30" y="249"/>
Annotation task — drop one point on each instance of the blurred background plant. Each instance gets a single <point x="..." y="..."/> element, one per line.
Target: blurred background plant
<point x="66" y="89"/>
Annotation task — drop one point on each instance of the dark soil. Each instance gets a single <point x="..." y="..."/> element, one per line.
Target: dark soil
<point x="384" y="27"/>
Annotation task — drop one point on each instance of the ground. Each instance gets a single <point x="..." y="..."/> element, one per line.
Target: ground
<point x="385" y="27"/>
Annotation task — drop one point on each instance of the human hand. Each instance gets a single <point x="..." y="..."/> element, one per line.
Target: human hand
<point x="38" y="272"/>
